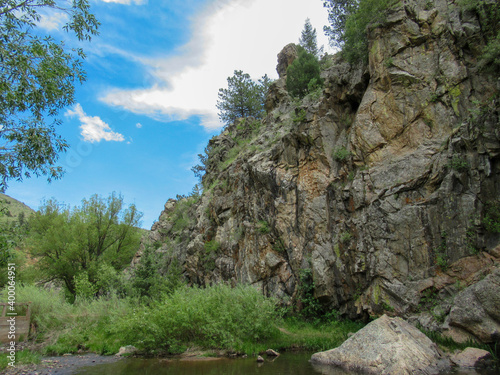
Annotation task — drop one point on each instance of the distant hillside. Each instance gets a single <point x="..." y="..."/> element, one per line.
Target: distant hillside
<point x="14" y="208"/>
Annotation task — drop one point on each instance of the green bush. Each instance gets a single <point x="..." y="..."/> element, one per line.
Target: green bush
<point x="458" y="163"/>
<point x="263" y="227"/>
<point x="349" y="20"/>
<point x="311" y="307"/>
<point x="489" y="18"/>
<point x="491" y="220"/>
<point x="303" y="75"/>
<point x="212" y="247"/>
<point x="341" y="154"/>
<point x="345" y="237"/>
<point x="215" y="317"/>
<point x="83" y="287"/>
<point x="66" y="328"/>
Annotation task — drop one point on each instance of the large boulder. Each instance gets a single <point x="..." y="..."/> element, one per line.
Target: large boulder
<point x="386" y="346"/>
<point x="472" y="358"/>
<point x="476" y="310"/>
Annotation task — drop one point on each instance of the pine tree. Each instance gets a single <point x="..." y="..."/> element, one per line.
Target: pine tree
<point x="243" y="97"/>
<point x="308" y="39"/>
<point x="303" y="76"/>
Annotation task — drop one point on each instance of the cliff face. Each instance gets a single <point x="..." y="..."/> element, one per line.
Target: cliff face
<point x="385" y="184"/>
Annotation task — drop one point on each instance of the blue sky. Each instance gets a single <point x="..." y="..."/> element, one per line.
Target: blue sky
<point x="148" y="108"/>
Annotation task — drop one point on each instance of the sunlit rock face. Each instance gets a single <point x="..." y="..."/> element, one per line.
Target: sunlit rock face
<point x="382" y="184"/>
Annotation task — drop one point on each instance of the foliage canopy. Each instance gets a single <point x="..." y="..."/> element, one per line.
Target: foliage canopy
<point x="243" y="97"/>
<point x="308" y="39"/>
<point x="303" y="75"/>
<point x="349" y="20"/>
<point x="37" y="76"/>
<point x="83" y="240"/>
<point x="488" y="13"/>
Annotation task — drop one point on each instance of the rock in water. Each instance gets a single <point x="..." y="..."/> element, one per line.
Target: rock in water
<point x="126" y="350"/>
<point x="472" y="358"/>
<point x="476" y="310"/>
<point x="272" y="353"/>
<point x="387" y="346"/>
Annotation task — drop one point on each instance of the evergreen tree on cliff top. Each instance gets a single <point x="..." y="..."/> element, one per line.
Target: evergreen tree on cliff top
<point x="242" y="98"/>
<point x="303" y="75"/>
<point x="37" y="76"/>
<point x="349" y="20"/>
<point x="308" y="39"/>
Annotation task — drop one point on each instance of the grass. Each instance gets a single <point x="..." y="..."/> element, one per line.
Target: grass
<point x="317" y="337"/>
<point x="449" y="344"/>
<point x="215" y="318"/>
<point x="23" y="357"/>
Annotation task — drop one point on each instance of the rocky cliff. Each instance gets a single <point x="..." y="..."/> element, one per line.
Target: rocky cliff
<point x="381" y="190"/>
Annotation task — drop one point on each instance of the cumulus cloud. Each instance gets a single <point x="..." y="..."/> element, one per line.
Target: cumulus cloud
<point x="138" y="125"/>
<point x="53" y="21"/>
<point x="226" y="35"/>
<point x="93" y="129"/>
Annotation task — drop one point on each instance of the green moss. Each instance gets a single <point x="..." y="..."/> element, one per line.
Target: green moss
<point x="336" y="248"/>
<point x="455" y="94"/>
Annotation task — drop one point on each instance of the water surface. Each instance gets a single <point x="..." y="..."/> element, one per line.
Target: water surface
<point x="286" y="364"/>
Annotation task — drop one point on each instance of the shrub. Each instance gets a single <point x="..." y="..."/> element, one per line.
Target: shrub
<point x="491" y="220"/>
<point x="489" y="18"/>
<point x="341" y="154"/>
<point x="311" y="307"/>
<point x="263" y="227"/>
<point x="303" y="75"/>
<point x="349" y="20"/>
<point x="149" y="278"/>
<point x="83" y="287"/>
<point x="215" y="317"/>
<point x="458" y="163"/>
<point x="345" y="237"/>
<point x="212" y="247"/>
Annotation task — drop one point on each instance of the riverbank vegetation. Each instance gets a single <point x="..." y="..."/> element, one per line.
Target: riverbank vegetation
<point x="219" y="318"/>
<point x="70" y="265"/>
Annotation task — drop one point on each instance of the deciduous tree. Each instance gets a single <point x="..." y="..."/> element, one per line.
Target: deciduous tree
<point x="37" y="77"/>
<point x="67" y="242"/>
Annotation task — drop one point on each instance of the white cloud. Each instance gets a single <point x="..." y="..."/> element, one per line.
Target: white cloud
<point x="227" y="35"/>
<point x="93" y="129"/>
<point x="138" y="125"/>
<point x="53" y="21"/>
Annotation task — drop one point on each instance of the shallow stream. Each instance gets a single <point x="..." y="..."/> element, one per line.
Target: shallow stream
<point x="286" y="364"/>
